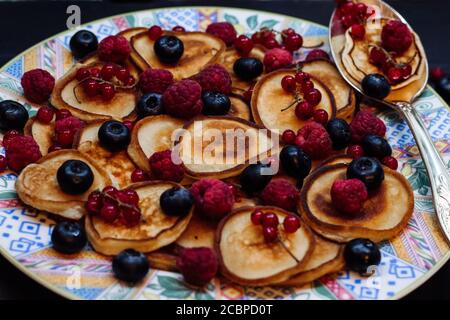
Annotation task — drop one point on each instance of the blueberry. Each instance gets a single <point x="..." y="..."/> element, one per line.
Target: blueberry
<point x="68" y="237"/>
<point x="114" y="135"/>
<point x="150" y="104"/>
<point x="295" y="162"/>
<point x="130" y="265"/>
<point x="376" y="86"/>
<point x="215" y="104"/>
<point x="248" y="68"/>
<point x="376" y="146"/>
<point x="253" y="179"/>
<point x="368" y="170"/>
<point x="74" y="177"/>
<point x="169" y="49"/>
<point x="13" y="115"/>
<point x="82" y="43"/>
<point x="176" y="201"/>
<point x="443" y="87"/>
<point x="362" y="256"/>
<point x="339" y="132"/>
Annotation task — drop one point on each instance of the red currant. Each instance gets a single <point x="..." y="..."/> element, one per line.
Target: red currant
<point x="293" y="42"/>
<point x="301" y="77"/>
<point x="358" y="31"/>
<point x="110" y="191"/>
<point x="270" y="234"/>
<point x="179" y="29"/>
<point x="313" y="97"/>
<point x="45" y="114"/>
<point x="348" y="8"/>
<point x="132" y="216"/>
<point x="95" y="72"/>
<point x="107" y="91"/>
<point x="355" y="151"/>
<point x="54" y="147"/>
<point x="91" y="88"/>
<point x="256" y="38"/>
<point x="65" y="138"/>
<point x="390" y="162"/>
<point x="377" y="56"/>
<point x="288" y="83"/>
<point x="139" y="175"/>
<point x="82" y="74"/>
<point x="320" y="116"/>
<point x="270" y="219"/>
<point x="288" y="136"/>
<point x="271" y="43"/>
<point x="123" y="74"/>
<point x="256" y="217"/>
<point x="130" y="81"/>
<point x="129" y="124"/>
<point x="361" y="9"/>
<point x="3" y="163"/>
<point x="243" y="45"/>
<point x="394" y="75"/>
<point x="307" y="85"/>
<point x="304" y="110"/>
<point x="347" y="20"/>
<point x="317" y="54"/>
<point x="406" y="71"/>
<point x="94" y="202"/>
<point x="291" y="224"/>
<point x="154" y="32"/>
<point x="108" y="71"/>
<point x="62" y="114"/>
<point x="109" y="212"/>
<point x="288" y="32"/>
<point x="131" y="197"/>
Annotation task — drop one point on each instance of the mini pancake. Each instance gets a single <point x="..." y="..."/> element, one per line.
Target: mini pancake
<point x="200" y="49"/>
<point x="247" y="259"/>
<point x="155" y="231"/>
<point x="118" y="165"/>
<point x="221" y="146"/>
<point x="327" y="257"/>
<point x="381" y="217"/>
<point x="121" y="106"/>
<point x="239" y="108"/>
<point x="269" y="99"/>
<point x="42" y="133"/>
<point x="38" y="187"/>
<point x="151" y="134"/>
<point x="336" y="159"/>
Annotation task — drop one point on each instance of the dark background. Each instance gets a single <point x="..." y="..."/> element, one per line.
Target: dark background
<point x="24" y="23"/>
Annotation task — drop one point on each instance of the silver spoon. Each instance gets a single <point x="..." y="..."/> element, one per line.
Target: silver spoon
<point x="403" y="103"/>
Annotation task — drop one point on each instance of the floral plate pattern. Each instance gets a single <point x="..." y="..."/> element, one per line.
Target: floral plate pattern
<point x="407" y="261"/>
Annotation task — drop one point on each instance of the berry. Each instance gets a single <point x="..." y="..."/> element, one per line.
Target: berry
<point x="179" y="29"/>
<point x="130" y="266"/>
<point x="293" y="42"/>
<point x="149" y="104"/>
<point x="95" y="72"/>
<point x="114" y="136"/>
<point x="94" y="202"/>
<point x="54" y="147"/>
<point x="295" y="162"/>
<point x="248" y="68"/>
<point x="317" y="54"/>
<point x="45" y="114"/>
<point x="365" y="123"/>
<point x="390" y="162"/>
<point x="82" y="43"/>
<point x="176" y="201"/>
<point x="168" y="49"/>
<point x="215" y="103"/>
<point x="277" y="58"/>
<point x="109" y="212"/>
<point x="288" y="84"/>
<point x="307" y="85"/>
<point x="130" y="81"/>
<point x="214" y="78"/>
<point x="21" y="151"/>
<point x="8" y="136"/>
<point x="223" y="30"/>
<point x="281" y="193"/>
<point x="270" y="234"/>
<point x="123" y="74"/>
<point x="368" y="170"/>
<point x="437" y="73"/>
<point x="68" y="237"/>
<point x="62" y="114"/>
<point x="358" y="31"/>
<point x="269" y="219"/>
<point x="163" y="168"/>
<point x="291" y="224"/>
<point x="154" y="32"/>
<point x="376" y="86"/>
<point x="313" y="97"/>
<point x="108" y="71"/>
<point x="131" y="216"/>
<point x="155" y="80"/>
<point x="304" y="110"/>
<point x="378" y="56"/>
<point x="13" y="115"/>
<point x="406" y="71"/>
<point x="255" y="178"/>
<point x="376" y="146"/>
<point x="213" y="198"/>
<point x="271" y="43"/>
<point x="128" y="196"/>
<point x="362" y="255"/>
<point x="91" y="87"/>
<point x="82" y="73"/>
<point x="65" y="130"/>
<point x="65" y="138"/>
<point x="183" y="99"/>
<point x="198" y="265"/>
<point x="320" y="116"/>
<point x="107" y="91"/>
<point x="301" y="77"/>
<point x="37" y="85"/>
<point x="243" y="45"/>
<point x="115" y="49"/>
<point x="348" y="196"/>
<point x="288" y="136"/>
<point x="394" y="75"/>
<point x="129" y="124"/>
<point x="339" y="132"/>
<point x="314" y="140"/>
<point x="110" y="191"/>
<point x="256" y="217"/>
<point x="75" y="177"/>
<point x="139" y="175"/>
<point x="396" y="36"/>
<point x="355" y="151"/>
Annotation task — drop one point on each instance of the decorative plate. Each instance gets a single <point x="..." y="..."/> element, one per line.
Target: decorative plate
<point x="407" y="261"/>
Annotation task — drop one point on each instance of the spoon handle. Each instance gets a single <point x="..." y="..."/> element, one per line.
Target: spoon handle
<point x="437" y="170"/>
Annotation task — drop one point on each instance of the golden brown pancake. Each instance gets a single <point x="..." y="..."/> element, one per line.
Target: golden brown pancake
<point x="42" y="133"/>
<point x="239" y="108"/>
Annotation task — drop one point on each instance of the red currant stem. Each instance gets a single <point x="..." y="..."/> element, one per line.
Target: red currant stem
<point x="297" y="99"/>
<point x="101" y="81"/>
<point x="390" y="58"/>
<point x="120" y="203"/>
<point x="287" y="249"/>
<point x="314" y="46"/>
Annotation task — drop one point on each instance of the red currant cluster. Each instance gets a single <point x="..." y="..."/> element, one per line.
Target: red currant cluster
<point x="395" y="72"/>
<point x="113" y="205"/>
<point x="104" y="81"/>
<point x="353" y="15"/>
<point x="301" y="84"/>
<point x="269" y="222"/>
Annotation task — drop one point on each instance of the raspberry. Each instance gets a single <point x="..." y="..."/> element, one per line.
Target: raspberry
<point x="21" y="151"/>
<point x="115" y="49"/>
<point x="313" y="138"/>
<point x="198" y="265"/>
<point x="214" y="78"/>
<point x="163" y="168"/>
<point x="396" y="36"/>
<point x="277" y="58"/>
<point x="183" y="99"/>
<point x="155" y="80"/>
<point x="45" y="114"/>
<point x="317" y="54"/>
<point x="66" y="128"/>
<point x="213" y="198"/>
<point x="280" y="193"/>
<point x="366" y="123"/>
<point x="349" y="195"/>
<point x="224" y="31"/>
<point x="37" y="85"/>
